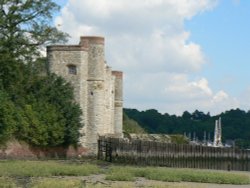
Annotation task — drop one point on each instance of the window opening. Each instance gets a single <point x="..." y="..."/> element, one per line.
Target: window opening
<point x="72" y="69"/>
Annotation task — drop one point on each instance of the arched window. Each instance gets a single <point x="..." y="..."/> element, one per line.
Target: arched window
<point x="72" y="69"/>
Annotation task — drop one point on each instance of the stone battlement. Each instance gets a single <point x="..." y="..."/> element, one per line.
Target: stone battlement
<point x="66" y="48"/>
<point x="118" y="74"/>
<point x="84" y="41"/>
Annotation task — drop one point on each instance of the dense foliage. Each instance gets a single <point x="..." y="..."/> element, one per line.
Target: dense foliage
<point x="35" y="106"/>
<point x="25" y="26"/>
<point x="235" y="124"/>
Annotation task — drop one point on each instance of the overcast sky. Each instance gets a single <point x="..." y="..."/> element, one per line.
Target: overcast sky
<point x="176" y="55"/>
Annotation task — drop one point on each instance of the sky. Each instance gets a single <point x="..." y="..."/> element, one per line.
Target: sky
<point x="176" y="55"/>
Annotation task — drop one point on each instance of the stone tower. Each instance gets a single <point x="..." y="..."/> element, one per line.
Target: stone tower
<point x="97" y="88"/>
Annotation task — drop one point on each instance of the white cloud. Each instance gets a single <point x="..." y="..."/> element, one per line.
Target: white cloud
<point x="175" y="93"/>
<point x="147" y="40"/>
<point x="155" y="52"/>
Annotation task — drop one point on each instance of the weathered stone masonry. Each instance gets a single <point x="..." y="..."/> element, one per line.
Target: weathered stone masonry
<point x="97" y="88"/>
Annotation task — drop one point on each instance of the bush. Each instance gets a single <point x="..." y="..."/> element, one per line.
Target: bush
<point x="42" y="112"/>
<point x="8" y="117"/>
<point x="57" y="97"/>
<point x="41" y="125"/>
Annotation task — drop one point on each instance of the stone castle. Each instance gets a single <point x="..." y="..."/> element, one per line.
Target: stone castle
<point x="97" y="88"/>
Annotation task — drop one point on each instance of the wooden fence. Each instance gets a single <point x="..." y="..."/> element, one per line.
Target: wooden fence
<point x="172" y="155"/>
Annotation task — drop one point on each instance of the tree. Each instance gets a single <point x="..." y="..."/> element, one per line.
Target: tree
<point x="235" y="124"/>
<point x="36" y="107"/>
<point x="41" y="125"/>
<point x="25" y="25"/>
<point x="186" y="115"/>
<point x="55" y="91"/>
<point x="8" y="117"/>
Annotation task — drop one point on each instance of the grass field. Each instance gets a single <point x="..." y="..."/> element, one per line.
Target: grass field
<point x="176" y="175"/>
<point x="46" y="169"/>
<point x="67" y="174"/>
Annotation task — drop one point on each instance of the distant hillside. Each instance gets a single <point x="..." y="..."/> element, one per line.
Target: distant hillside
<point x="235" y="124"/>
<point x="131" y="126"/>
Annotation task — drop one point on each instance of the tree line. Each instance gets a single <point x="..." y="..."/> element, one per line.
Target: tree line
<point x="235" y="124"/>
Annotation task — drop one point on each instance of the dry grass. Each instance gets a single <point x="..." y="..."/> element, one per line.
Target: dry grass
<point x="6" y="182"/>
<point x="43" y="174"/>
<point x="176" y="175"/>
<point x="57" y="183"/>
<point x="45" y="169"/>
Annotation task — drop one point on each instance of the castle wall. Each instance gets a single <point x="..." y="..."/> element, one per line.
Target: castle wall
<point x="118" y="103"/>
<point x="59" y="58"/>
<point x="96" y="74"/>
<point x="97" y="89"/>
<point x="109" y="102"/>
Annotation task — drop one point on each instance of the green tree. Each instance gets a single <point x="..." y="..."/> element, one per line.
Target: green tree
<point x="36" y="106"/>
<point x="8" y="117"/>
<point x="186" y="115"/>
<point x="55" y="91"/>
<point x="25" y="25"/>
<point x="235" y="124"/>
<point x="25" y="28"/>
<point x="41" y="125"/>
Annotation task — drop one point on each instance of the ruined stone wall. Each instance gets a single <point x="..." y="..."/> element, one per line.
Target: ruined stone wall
<point x="97" y="89"/>
<point x="118" y="102"/>
<point x="109" y="102"/>
<point x="95" y="81"/>
<point x="60" y="58"/>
